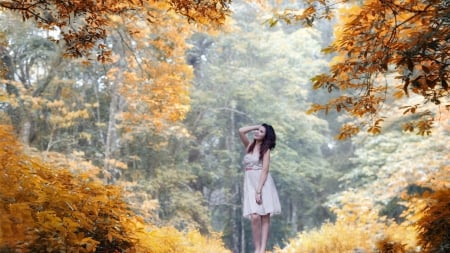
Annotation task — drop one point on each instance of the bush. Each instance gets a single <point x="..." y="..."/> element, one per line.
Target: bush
<point x="434" y="223"/>
<point x="47" y="209"/>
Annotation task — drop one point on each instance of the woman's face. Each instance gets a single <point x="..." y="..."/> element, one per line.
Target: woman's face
<point x="260" y="133"/>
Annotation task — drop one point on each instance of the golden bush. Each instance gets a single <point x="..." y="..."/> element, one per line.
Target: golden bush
<point x="47" y="209"/>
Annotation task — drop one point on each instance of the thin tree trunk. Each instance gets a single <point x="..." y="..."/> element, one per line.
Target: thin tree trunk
<point x="235" y="227"/>
<point x="294" y="217"/>
<point x="99" y="116"/>
<point x="25" y="132"/>
<point x="236" y="223"/>
<point x="242" y="235"/>
<point x="111" y="133"/>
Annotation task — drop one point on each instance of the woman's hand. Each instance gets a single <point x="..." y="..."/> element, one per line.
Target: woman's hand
<point x="258" y="198"/>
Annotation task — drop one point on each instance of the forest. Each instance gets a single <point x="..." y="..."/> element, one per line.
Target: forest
<point x="119" y="124"/>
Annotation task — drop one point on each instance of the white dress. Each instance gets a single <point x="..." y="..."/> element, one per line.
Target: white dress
<point x="270" y="201"/>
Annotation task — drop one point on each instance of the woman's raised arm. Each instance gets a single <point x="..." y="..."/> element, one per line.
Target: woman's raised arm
<point x="243" y="134"/>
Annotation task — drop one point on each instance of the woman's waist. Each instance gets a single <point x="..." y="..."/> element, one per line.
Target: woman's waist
<point x="254" y="167"/>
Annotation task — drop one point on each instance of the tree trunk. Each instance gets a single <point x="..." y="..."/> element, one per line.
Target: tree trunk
<point x="294" y="218"/>
<point x="111" y="134"/>
<point x="235" y="227"/>
<point x="242" y="235"/>
<point x="238" y="235"/>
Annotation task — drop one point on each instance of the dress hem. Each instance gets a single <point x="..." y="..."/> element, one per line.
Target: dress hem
<point x="262" y="214"/>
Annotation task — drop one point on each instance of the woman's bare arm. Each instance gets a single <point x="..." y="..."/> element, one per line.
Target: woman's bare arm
<point x="263" y="177"/>
<point x="265" y="171"/>
<point x="243" y="134"/>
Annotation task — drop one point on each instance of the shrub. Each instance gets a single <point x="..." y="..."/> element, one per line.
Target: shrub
<point x="47" y="209"/>
<point x="434" y="223"/>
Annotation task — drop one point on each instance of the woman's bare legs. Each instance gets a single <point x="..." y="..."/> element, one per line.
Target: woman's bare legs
<point x="260" y="231"/>
<point x="256" y="231"/>
<point x="265" y="223"/>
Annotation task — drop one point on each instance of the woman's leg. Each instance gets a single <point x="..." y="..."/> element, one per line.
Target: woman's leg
<point x="265" y="224"/>
<point x="256" y="231"/>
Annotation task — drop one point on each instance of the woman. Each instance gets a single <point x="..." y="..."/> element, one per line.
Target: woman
<point x="260" y="195"/>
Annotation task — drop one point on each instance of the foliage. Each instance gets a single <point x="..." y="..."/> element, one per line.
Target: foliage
<point x="83" y="25"/>
<point x="182" y="206"/>
<point x="406" y="39"/>
<point x="433" y="224"/>
<point x="173" y="171"/>
<point x="126" y="110"/>
<point x="50" y="209"/>
<point x="39" y="94"/>
<point x="168" y="239"/>
<point x="358" y="228"/>
<point x="156" y="82"/>
<point x="387" y="246"/>
<point x="387" y="167"/>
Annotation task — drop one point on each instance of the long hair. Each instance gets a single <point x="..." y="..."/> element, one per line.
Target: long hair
<point x="269" y="141"/>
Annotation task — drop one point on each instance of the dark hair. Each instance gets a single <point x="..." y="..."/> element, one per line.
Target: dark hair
<point x="268" y="142"/>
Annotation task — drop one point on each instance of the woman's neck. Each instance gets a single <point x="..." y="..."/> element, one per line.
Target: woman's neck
<point x="257" y="147"/>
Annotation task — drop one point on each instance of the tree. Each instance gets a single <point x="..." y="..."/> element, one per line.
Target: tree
<point x="83" y="25"/>
<point x="408" y="40"/>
